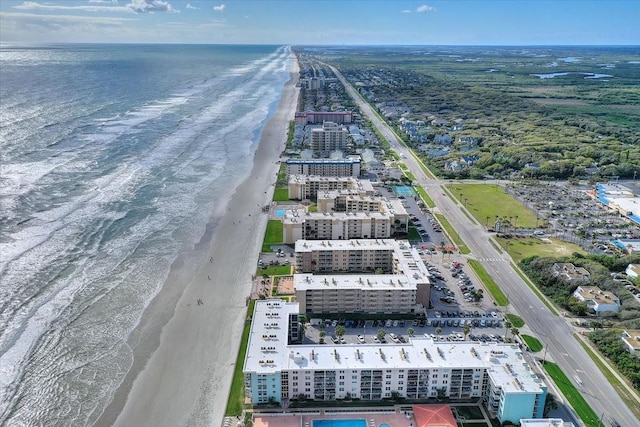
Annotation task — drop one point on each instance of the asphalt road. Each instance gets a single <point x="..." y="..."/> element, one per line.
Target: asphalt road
<point x="562" y="347"/>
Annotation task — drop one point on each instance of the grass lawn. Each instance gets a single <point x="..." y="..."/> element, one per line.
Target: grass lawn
<point x="273" y="235"/>
<point x="582" y="408"/>
<point x="312" y="208"/>
<point x="274" y="270"/>
<point x="413" y="234"/>
<point x="424" y="167"/>
<point x="499" y="297"/>
<point x="486" y="201"/>
<point x="469" y="412"/>
<point x="235" y="403"/>
<point x="453" y="234"/>
<point x="520" y="248"/>
<point x="281" y="194"/>
<point x="425" y="197"/>
<point x="533" y="343"/>
<point x="622" y="391"/>
<point x="516" y="321"/>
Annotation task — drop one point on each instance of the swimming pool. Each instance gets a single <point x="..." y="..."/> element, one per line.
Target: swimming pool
<point x="279" y="213"/>
<point x="385" y="425"/>
<point x="404" y="190"/>
<point x="339" y="423"/>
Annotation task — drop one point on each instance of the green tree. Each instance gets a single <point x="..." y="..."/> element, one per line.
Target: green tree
<point x="340" y="330"/>
<point x="466" y="328"/>
<point x="410" y="332"/>
<point x="381" y="334"/>
<point x="507" y="327"/>
<point x="515" y="332"/>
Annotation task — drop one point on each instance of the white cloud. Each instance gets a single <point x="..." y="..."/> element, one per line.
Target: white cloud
<point x="136" y="6"/>
<point x="406" y="11"/>
<point x="188" y="6"/>
<point x="220" y="8"/>
<point x="425" y="8"/>
<point x="31" y="5"/>
<point x="143" y="6"/>
<point x="104" y="1"/>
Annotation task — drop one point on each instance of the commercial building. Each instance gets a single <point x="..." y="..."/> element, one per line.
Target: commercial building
<point x="276" y="370"/>
<point x="324" y="167"/>
<point x="330" y="137"/>
<point x="598" y="301"/>
<point x="307" y="187"/>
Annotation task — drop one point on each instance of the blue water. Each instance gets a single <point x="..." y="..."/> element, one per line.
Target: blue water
<point x="115" y="161"/>
<point x="279" y="213"/>
<point x="404" y="190"/>
<point x="339" y="423"/>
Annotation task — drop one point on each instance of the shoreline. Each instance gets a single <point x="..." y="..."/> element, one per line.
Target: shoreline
<point x="184" y="352"/>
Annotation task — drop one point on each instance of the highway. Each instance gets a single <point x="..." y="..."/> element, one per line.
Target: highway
<point x="557" y="335"/>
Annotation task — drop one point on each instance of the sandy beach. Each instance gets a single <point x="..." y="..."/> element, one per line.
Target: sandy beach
<point x="184" y="351"/>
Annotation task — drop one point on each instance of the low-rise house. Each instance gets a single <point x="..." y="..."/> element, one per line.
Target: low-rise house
<point x="442" y="139"/>
<point x="570" y="273"/>
<point x="631" y="337"/>
<point x="598" y="301"/>
<point x="633" y="271"/>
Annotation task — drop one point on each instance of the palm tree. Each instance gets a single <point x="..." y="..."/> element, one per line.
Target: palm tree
<point x="410" y="332"/>
<point x="340" y="330"/>
<point x="438" y="330"/>
<point x="507" y="326"/>
<point x="466" y="328"/>
<point x="515" y="332"/>
<point x="381" y="334"/>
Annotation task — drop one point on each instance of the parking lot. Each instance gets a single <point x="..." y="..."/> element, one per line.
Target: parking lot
<point x="570" y="213"/>
<point x="484" y="327"/>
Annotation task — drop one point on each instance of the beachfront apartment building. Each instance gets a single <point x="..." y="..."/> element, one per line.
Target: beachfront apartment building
<point x="360" y="201"/>
<point x="324" y="167"/>
<point x="300" y="224"/>
<point x="275" y="370"/>
<point x="362" y="293"/>
<point x="598" y="301"/>
<point x="318" y="117"/>
<point x="328" y="138"/>
<point x="307" y="187"/>
<point x="347" y="256"/>
<point x="346" y="212"/>
<point x="401" y="283"/>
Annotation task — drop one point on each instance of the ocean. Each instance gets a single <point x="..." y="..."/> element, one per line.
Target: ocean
<point x="115" y="160"/>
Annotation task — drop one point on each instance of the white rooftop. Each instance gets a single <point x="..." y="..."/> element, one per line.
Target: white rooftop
<point x="342" y="245"/>
<point x="303" y="282"/>
<point x="299" y="215"/>
<point x="545" y="422"/>
<point x="268" y="353"/>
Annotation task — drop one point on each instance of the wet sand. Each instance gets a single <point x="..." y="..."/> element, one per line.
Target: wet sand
<point x="185" y="349"/>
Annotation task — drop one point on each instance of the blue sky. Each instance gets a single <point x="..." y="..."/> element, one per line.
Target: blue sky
<point x="349" y="22"/>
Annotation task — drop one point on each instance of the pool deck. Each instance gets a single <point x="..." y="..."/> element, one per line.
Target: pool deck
<point x="393" y="419"/>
